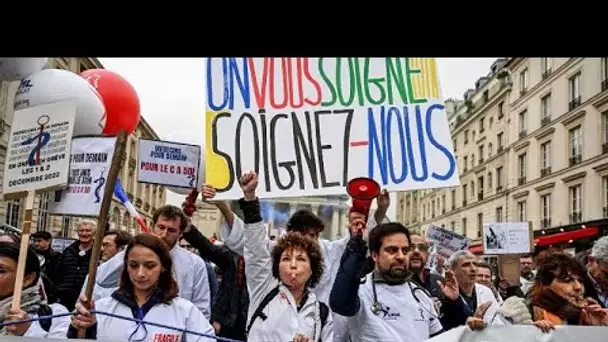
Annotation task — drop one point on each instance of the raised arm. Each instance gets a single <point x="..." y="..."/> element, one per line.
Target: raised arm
<point x="258" y="261"/>
<point x="344" y="298"/>
<point x="206" y="249"/>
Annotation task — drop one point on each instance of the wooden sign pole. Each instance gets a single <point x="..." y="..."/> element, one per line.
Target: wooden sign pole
<point x="25" y="244"/>
<point x="119" y="151"/>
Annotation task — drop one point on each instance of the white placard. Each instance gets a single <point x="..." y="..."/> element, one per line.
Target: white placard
<point x="39" y="149"/>
<point x="506" y="238"/>
<point x="90" y="162"/>
<point x="446" y="242"/>
<point x="168" y="163"/>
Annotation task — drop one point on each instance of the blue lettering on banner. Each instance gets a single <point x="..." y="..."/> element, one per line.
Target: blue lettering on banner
<point x="380" y="152"/>
<point x="232" y="74"/>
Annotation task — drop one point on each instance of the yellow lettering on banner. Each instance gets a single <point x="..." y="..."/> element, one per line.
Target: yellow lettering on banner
<point x="217" y="170"/>
<point x="418" y="79"/>
<point x="432" y="75"/>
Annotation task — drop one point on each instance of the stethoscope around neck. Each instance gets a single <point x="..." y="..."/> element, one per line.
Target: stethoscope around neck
<point x="378" y="308"/>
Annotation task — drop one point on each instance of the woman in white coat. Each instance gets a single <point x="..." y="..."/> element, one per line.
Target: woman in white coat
<point x="147" y="292"/>
<point x="281" y="305"/>
<point x="33" y="304"/>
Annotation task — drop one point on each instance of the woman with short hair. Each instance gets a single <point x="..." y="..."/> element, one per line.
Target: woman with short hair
<point x="281" y="305"/>
<point x="147" y="292"/>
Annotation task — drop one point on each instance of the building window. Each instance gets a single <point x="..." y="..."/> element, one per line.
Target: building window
<point x="472" y="188"/>
<point x="489" y="181"/>
<point x="498" y="178"/>
<point x="66" y="226"/>
<point x="464" y="194"/>
<point x="546" y="65"/>
<point x="501" y="112"/>
<point x="499" y="216"/>
<point x="545" y="155"/>
<point x="605" y="196"/>
<point x="522" y="122"/>
<point x="43" y="212"/>
<point x="521" y="165"/>
<point x="464" y="226"/>
<point x="465" y="162"/>
<point x="466" y="136"/>
<point x="576" y="143"/>
<point x="604" y="68"/>
<point x="574" y="88"/>
<point x="443" y="206"/>
<point x="521" y="211"/>
<point x="545" y="107"/>
<point x="605" y="127"/>
<point x="480" y="154"/>
<point x="576" y="205"/>
<point x="13" y="213"/>
<point x="453" y="225"/>
<point x="453" y="199"/>
<point x="479" y="224"/>
<point x="489" y="150"/>
<point x="481" y="125"/>
<point x="524" y="81"/>
<point x="545" y="210"/>
<point x="500" y="140"/>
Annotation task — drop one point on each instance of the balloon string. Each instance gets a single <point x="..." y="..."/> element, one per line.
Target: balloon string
<point x="139" y="321"/>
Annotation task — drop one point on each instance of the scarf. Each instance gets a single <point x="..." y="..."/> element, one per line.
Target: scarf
<point x="558" y="306"/>
<point x="390" y="280"/>
<point x="30" y="303"/>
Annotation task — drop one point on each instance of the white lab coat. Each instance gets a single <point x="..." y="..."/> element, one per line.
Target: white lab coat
<point x="190" y="272"/>
<point x="59" y="325"/>
<point x="234" y="238"/>
<point x="180" y="313"/>
<point x="403" y="318"/>
<point x="283" y="321"/>
<point x="485" y="294"/>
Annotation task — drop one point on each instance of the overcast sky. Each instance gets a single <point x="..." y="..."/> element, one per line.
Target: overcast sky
<point x="173" y="100"/>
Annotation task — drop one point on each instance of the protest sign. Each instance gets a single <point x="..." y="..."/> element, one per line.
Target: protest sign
<point x="507" y="238"/>
<point x="309" y="125"/>
<point x="446" y="242"/>
<point x="39" y="149"/>
<point x="168" y="163"/>
<point x="90" y="162"/>
<point x="522" y="333"/>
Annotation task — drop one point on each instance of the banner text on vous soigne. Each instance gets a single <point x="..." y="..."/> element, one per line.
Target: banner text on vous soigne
<point x="309" y="125"/>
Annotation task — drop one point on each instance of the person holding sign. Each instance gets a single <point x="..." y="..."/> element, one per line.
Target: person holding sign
<point x="148" y="291"/>
<point x="32" y="304"/>
<point x="190" y="269"/>
<point x="282" y="306"/>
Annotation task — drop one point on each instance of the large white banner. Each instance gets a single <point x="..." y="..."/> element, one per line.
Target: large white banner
<point x="168" y="163"/>
<point x="309" y="125"/>
<point x="38" y="154"/>
<point x="524" y="333"/>
<point x="90" y="163"/>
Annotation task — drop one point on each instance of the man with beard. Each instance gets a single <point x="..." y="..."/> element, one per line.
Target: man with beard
<point x="389" y="305"/>
<point x="526" y="272"/>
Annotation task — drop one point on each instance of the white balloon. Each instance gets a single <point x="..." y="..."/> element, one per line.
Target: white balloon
<point x="189" y="137"/>
<point x="54" y="85"/>
<point x="13" y="69"/>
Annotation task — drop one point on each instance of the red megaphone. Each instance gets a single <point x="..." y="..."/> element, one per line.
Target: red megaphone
<point x="362" y="190"/>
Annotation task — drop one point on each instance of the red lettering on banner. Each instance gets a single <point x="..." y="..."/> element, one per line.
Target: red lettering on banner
<point x="160" y="337"/>
<point x="148" y="166"/>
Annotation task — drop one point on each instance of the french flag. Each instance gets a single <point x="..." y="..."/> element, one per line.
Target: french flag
<point x="124" y="199"/>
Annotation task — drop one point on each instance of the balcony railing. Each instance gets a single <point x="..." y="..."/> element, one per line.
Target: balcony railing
<point x="577" y="159"/>
<point x="499" y="188"/>
<point x="522" y="134"/>
<point x="545" y="121"/>
<point x="545" y="171"/>
<point x="576" y="217"/>
<point x="604" y="148"/>
<point x="605" y="84"/>
<point x="574" y="103"/>
<point x="480" y="196"/>
<point x="545" y="223"/>
<point x="464" y="203"/>
<point x="521" y="181"/>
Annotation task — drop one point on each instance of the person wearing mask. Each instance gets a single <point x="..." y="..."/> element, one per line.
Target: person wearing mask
<point x="148" y="291"/>
<point x="388" y="305"/>
<point x="229" y="310"/>
<point x="190" y="270"/>
<point x="556" y="298"/>
<point x="74" y="265"/>
<point x="596" y="279"/>
<point x="113" y="242"/>
<point x="476" y="302"/>
<point x="307" y="223"/>
<point x="526" y="272"/>
<point x="282" y="306"/>
<point x="33" y="305"/>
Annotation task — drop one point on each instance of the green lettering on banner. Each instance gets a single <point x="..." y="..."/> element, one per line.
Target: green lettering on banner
<point x="375" y="81"/>
<point x="409" y="72"/>
<point x="351" y="79"/>
<point x="358" y="79"/>
<point x="396" y="76"/>
<point x="332" y="89"/>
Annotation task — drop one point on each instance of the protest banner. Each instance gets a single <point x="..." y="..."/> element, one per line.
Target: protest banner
<point x="309" y="125"/>
<point x="508" y="240"/>
<point x="446" y="242"/>
<point x="37" y="161"/>
<point x="90" y="161"/>
<point x="168" y="163"/>
<point x="522" y="333"/>
<point x="39" y="149"/>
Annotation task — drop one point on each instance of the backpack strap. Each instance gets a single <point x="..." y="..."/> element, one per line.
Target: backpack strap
<point x="45" y="310"/>
<point x="259" y="312"/>
<point x="323" y="313"/>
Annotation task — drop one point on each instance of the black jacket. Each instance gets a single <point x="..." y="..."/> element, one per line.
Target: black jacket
<point x="73" y="270"/>
<point x="232" y="299"/>
<point x="50" y="273"/>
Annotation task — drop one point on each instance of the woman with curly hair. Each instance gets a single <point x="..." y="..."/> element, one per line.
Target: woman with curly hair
<point x="557" y="298"/>
<point x="282" y="307"/>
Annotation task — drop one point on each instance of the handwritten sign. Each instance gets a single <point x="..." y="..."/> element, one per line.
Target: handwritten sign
<point x="507" y="238"/>
<point x="446" y="242"/>
<point x="309" y="125"/>
<point x="168" y="163"/>
<point x="39" y="149"/>
<point x="90" y="162"/>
